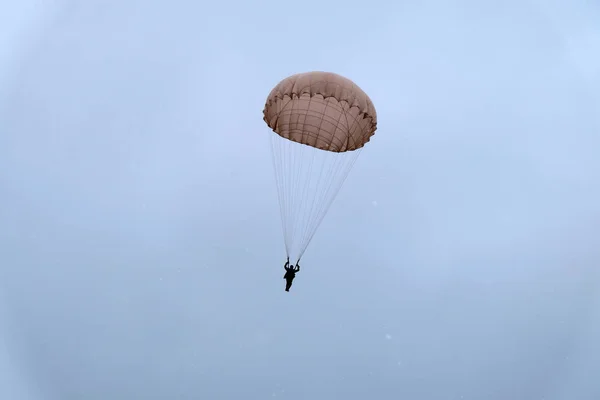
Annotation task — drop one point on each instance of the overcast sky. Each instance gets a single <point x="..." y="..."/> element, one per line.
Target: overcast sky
<point x="140" y="244"/>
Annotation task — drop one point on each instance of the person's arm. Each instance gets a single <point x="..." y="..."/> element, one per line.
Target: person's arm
<point x="297" y="267"/>
<point x="287" y="263"/>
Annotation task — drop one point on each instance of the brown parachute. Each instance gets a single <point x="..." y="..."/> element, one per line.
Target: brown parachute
<point x="322" y="110"/>
<point x="322" y="121"/>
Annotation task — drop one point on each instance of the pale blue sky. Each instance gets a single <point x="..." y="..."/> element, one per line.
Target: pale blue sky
<point x="140" y="242"/>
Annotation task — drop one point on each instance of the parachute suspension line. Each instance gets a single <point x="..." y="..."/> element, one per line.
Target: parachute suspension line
<point x="308" y="181"/>
<point x="342" y="171"/>
<point x="303" y="196"/>
<point x="279" y="182"/>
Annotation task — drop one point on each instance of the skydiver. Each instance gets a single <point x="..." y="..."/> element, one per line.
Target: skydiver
<point x="290" y="273"/>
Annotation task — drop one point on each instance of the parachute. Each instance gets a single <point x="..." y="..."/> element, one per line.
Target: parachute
<point x="321" y="122"/>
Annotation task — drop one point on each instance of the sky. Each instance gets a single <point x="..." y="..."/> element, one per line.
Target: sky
<point x="141" y="248"/>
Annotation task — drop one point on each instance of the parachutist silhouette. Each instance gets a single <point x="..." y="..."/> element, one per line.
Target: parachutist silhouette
<point x="290" y="273"/>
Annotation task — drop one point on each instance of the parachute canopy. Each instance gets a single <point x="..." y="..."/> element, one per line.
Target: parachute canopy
<point x="321" y="122"/>
<point x="322" y="110"/>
